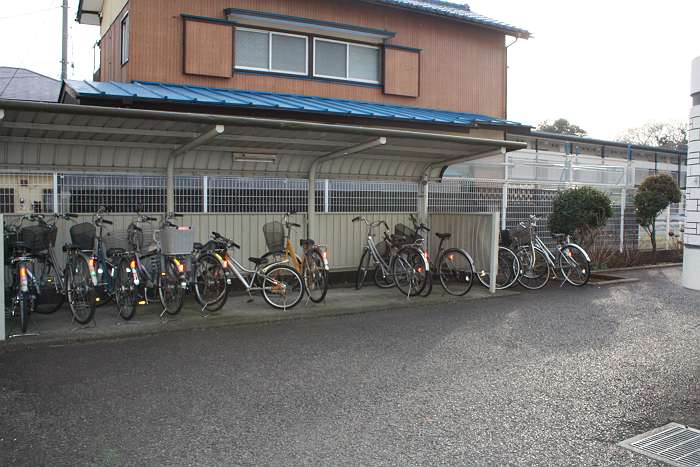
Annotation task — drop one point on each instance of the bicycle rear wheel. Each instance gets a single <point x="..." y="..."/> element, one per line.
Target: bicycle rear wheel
<point x="170" y="290"/>
<point x="410" y="271"/>
<point x="362" y="269"/>
<point x="24" y="311"/>
<point x="315" y="276"/>
<point x="456" y="272"/>
<point x="534" y="268"/>
<point x="574" y="265"/>
<point x="125" y="291"/>
<point x="282" y="287"/>
<point x="50" y="298"/>
<point x="508" y="270"/>
<point x="210" y="281"/>
<point x="80" y="290"/>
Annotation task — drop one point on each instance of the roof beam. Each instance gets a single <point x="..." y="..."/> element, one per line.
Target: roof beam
<point x="198" y="141"/>
<point x="448" y="162"/>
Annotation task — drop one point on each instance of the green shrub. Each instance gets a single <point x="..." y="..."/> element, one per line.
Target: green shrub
<point x="580" y="212"/>
<point x="654" y="195"/>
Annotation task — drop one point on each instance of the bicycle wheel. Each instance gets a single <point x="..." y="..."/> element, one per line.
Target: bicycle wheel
<point x="508" y="270"/>
<point x="456" y="272"/>
<point x="362" y="269"/>
<point x="210" y="281"/>
<point x="282" y="287"/>
<point x="574" y="265"/>
<point x="24" y="311"/>
<point x="315" y="276"/>
<point x="170" y="290"/>
<point x="50" y="298"/>
<point x="125" y="291"/>
<point x="80" y="290"/>
<point x="410" y="271"/>
<point x="534" y="268"/>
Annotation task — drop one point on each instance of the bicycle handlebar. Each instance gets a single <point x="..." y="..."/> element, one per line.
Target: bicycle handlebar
<point x="218" y="236"/>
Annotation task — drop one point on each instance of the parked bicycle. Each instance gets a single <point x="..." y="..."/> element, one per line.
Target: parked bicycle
<point x="538" y="263"/>
<point x="508" y="265"/>
<point x="24" y="289"/>
<point x="312" y="266"/>
<point x="392" y="260"/>
<point x="281" y="285"/>
<point x="454" y="266"/>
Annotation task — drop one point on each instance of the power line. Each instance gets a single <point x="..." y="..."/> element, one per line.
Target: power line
<point x="29" y="13"/>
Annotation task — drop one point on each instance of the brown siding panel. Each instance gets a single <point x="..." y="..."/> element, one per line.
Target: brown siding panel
<point x="208" y="49"/>
<point x="462" y="67"/>
<point x="401" y="72"/>
<point x="111" y="68"/>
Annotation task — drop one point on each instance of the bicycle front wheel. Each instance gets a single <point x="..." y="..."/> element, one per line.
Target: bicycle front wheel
<point x="534" y="268"/>
<point x="410" y="271"/>
<point x="51" y="298"/>
<point x="24" y="311"/>
<point x="170" y="290"/>
<point x="210" y="282"/>
<point x="315" y="276"/>
<point x="80" y="290"/>
<point x="362" y="269"/>
<point x="456" y="272"/>
<point x="574" y="265"/>
<point x="282" y="287"/>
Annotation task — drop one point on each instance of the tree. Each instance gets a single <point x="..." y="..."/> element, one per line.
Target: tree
<point x="654" y="195"/>
<point x="561" y="126"/>
<point x="580" y="212"/>
<point x="671" y="134"/>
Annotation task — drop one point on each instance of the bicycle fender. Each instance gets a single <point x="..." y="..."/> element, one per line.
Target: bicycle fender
<point x="585" y="253"/>
<point x="466" y="253"/>
<point x="284" y="262"/>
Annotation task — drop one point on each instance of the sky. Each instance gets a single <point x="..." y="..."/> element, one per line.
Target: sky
<point x="605" y="65"/>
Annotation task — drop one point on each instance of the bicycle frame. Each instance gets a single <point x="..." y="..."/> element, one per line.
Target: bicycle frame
<point x="231" y="265"/>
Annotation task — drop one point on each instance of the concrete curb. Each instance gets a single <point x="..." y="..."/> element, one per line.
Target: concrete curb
<point x="640" y="268"/>
<point x="181" y="325"/>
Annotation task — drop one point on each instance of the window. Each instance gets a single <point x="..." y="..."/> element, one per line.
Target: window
<point x="271" y="51"/>
<point x="125" y="39"/>
<point x="343" y="60"/>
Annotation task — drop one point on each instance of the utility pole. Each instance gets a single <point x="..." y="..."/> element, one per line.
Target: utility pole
<point x="64" y="43"/>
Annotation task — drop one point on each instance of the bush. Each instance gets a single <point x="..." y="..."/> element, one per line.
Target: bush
<point x="580" y="212"/>
<point x="654" y="195"/>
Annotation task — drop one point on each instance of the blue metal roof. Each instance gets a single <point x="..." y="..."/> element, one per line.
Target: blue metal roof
<point x="456" y="10"/>
<point x="139" y="91"/>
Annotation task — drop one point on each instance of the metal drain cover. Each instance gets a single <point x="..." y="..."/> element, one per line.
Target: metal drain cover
<point x="673" y="444"/>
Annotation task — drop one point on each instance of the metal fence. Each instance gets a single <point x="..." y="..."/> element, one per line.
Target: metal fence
<point x="515" y="200"/>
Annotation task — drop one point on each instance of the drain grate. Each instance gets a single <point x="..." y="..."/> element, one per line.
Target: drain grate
<point x="674" y="444"/>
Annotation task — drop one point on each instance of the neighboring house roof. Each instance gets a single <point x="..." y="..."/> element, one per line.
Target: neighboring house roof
<point x="146" y="92"/>
<point x="455" y="10"/>
<point x="26" y="85"/>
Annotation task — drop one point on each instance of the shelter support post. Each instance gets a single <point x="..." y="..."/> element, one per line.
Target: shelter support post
<point x="493" y="263"/>
<point x="184" y="149"/>
<point x="2" y="289"/>
<point x="423" y="193"/>
<point x="623" y="208"/>
<point x="313" y="170"/>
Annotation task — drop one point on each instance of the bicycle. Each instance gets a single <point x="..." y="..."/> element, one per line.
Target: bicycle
<point x="24" y="288"/>
<point x="508" y="265"/>
<point x="277" y="281"/>
<point x="455" y="267"/>
<point x="400" y="264"/>
<point x="153" y="264"/>
<point x="77" y="281"/>
<point x="538" y="262"/>
<point x="313" y="265"/>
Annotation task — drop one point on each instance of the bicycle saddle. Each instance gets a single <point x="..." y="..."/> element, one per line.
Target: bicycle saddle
<point x="70" y="247"/>
<point x="443" y="236"/>
<point x="306" y="242"/>
<point x="112" y="252"/>
<point x="20" y="246"/>
<point x="256" y="261"/>
<point x="197" y="246"/>
<point x="558" y="236"/>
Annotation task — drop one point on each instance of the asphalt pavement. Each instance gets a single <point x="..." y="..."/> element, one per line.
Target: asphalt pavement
<point x="555" y="377"/>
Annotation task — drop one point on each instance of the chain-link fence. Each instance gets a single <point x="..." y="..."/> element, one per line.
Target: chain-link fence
<point x="515" y="200"/>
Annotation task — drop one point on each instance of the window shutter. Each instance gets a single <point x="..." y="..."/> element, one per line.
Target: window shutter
<point x="401" y="72"/>
<point x="208" y="49"/>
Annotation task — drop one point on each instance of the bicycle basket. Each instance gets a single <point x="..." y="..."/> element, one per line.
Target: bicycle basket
<point x="521" y="235"/>
<point x="406" y="231"/>
<point x="274" y="235"/>
<point x="176" y="241"/>
<point x="38" y="237"/>
<point x="83" y="235"/>
<point x="116" y="240"/>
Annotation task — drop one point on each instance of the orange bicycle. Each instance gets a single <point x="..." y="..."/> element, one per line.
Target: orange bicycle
<point x="312" y="266"/>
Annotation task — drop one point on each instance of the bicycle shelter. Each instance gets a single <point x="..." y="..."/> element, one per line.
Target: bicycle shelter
<point x="49" y="137"/>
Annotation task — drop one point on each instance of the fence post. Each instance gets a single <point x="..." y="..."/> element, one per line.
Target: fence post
<point x="205" y="194"/>
<point x="668" y="227"/>
<point x="623" y="207"/>
<point x="493" y="263"/>
<point x="504" y="205"/>
<point x="423" y="190"/>
<point x="55" y="193"/>
<point x="2" y="289"/>
<point x="326" y="196"/>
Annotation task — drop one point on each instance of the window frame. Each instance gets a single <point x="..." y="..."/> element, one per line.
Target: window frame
<point x="269" y="69"/>
<point x="347" y="61"/>
<point x="124" y="51"/>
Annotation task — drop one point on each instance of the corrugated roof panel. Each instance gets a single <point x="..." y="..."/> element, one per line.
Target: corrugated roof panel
<point x="184" y="94"/>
